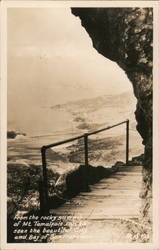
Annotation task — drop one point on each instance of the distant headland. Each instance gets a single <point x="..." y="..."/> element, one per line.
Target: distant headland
<point x="11" y="134"/>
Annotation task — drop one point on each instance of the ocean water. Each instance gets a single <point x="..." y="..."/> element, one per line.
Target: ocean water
<point x="47" y="125"/>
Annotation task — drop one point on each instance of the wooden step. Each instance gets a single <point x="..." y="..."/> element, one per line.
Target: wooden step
<point x="109" y="201"/>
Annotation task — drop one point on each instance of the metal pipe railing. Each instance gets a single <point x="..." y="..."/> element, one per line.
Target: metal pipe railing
<point x="86" y="158"/>
<point x="85" y="136"/>
<point x="62" y="142"/>
<point x="103" y="129"/>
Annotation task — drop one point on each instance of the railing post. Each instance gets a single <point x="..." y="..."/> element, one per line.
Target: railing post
<point x="127" y="141"/>
<point x="45" y="180"/>
<point x="86" y="149"/>
<point x="86" y="159"/>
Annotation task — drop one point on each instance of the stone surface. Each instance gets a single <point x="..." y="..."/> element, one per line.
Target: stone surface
<point x="124" y="35"/>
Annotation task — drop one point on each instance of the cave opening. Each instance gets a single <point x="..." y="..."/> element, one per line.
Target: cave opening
<point x="97" y="88"/>
<point x="92" y="89"/>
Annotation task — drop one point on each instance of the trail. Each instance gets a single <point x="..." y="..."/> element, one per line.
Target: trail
<point x="103" y="210"/>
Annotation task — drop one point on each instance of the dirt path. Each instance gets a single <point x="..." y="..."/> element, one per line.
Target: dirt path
<point x="100" y="215"/>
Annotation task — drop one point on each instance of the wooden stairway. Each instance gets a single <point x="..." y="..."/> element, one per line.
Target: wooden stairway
<point x="102" y="210"/>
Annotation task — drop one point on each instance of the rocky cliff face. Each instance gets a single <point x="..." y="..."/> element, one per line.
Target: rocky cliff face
<point x="124" y="35"/>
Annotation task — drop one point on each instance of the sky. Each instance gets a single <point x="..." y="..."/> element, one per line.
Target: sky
<point x="51" y="60"/>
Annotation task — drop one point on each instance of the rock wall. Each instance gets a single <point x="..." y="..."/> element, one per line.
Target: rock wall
<point x="125" y="36"/>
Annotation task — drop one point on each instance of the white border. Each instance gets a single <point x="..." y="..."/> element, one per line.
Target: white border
<point x="76" y="3"/>
<point x="3" y="122"/>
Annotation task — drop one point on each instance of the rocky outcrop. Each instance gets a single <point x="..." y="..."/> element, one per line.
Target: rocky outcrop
<point x="13" y="134"/>
<point x="77" y="180"/>
<point x="124" y="35"/>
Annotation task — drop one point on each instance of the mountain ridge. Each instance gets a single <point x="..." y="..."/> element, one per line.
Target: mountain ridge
<point x="125" y="98"/>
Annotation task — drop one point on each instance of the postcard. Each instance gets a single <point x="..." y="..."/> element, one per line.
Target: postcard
<point x="79" y="125"/>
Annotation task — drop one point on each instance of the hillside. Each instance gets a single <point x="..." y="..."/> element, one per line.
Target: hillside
<point x="93" y="104"/>
<point x="94" y="112"/>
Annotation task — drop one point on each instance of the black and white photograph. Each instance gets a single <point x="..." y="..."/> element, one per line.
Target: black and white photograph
<point x="81" y="161"/>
